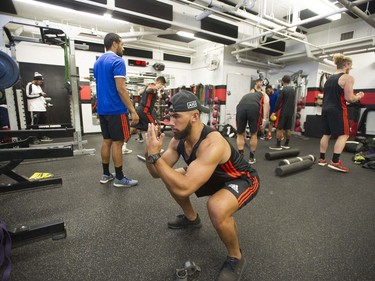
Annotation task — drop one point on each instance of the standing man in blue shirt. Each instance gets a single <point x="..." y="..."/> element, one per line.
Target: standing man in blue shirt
<point x="114" y="105"/>
<point x="272" y="94"/>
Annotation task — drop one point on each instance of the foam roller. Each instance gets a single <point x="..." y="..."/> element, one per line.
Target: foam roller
<point x="272" y="155"/>
<point x="294" y="167"/>
<point x="296" y="159"/>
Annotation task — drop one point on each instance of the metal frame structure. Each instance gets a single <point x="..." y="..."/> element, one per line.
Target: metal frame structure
<point x="11" y="103"/>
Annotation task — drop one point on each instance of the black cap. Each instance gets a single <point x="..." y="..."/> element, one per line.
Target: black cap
<point x="186" y="101"/>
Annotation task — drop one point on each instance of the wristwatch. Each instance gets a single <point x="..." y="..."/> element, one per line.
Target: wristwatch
<point x="152" y="158"/>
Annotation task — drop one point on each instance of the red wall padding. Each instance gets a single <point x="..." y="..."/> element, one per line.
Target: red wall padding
<point x="221" y="93"/>
<point x="368" y="99"/>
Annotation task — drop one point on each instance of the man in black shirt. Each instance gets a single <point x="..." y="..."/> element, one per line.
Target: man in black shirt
<point x="284" y="111"/>
<point x="252" y="111"/>
<point x="337" y="90"/>
<point x="145" y="109"/>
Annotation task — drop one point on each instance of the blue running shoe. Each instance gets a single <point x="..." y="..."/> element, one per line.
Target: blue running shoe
<point x="106" y="178"/>
<point x="124" y="182"/>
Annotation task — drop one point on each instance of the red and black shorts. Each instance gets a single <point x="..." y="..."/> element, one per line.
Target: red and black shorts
<point x="243" y="190"/>
<point x="115" y="127"/>
<point x="145" y="117"/>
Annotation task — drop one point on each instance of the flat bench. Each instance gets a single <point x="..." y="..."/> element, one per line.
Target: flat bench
<point x="38" y="133"/>
<point x="15" y="156"/>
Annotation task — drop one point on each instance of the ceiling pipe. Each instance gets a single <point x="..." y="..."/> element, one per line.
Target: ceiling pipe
<point x="358" y="12"/>
<point x="165" y="46"/>
<point x="248" y="4"/>
<point x="288" y="25"/>
<point x="183" y="26"/>
<point x="206" y="13"/>
<point x="268" y="65"/>
<point x="254" y="19"/>
<point x="315" y="18"/>
<point x="347" y="45"/>
<point x="221" y="7"/>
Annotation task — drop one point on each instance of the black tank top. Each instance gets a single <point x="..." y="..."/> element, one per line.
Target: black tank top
<point x="333" y="97"/>
<point x="148" y="99"/>
<point x="236" y="166"/>
<point x="286" y="102"/>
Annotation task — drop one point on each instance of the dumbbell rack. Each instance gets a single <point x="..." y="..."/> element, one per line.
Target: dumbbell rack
<point x="215" y="118"/>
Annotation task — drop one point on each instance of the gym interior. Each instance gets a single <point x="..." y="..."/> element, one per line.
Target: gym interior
<point x="306" y="223"/>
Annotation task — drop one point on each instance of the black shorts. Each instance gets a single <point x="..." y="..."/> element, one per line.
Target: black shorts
<point x="145" y="117"/>
<point x="115" y="127"/>
<point x="335" y="123"/>
<point x="244" y="189"/>
<point x="284" y="122"/>
<point x="247" y="117"/>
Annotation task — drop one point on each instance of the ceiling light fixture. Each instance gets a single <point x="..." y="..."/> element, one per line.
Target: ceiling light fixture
<point x="324" y="5"/>
<point x="185" y="34"/>
<point x="107" y="15"/>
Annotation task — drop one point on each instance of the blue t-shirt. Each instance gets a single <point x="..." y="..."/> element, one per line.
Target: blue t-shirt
<point x="106" y="69"/>
<point x="273" y="99"/>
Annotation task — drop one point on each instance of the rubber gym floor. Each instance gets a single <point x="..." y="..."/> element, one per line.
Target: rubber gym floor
<point x="315" y="224"/>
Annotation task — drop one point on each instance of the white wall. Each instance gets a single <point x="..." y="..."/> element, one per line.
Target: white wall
<point x="333" y="34"/>
<point x="54" y="55"/>
<point x="39" y="53"/>
<point x="199" y="71"/>
<point x="363" y="70"/>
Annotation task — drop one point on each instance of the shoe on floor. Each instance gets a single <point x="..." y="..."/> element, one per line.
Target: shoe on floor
<point x="268" y="137"/>
<point x="140" y="140"/>
<point x="275" y="147"/>
<point x="322" y="162"/>
<point x="338" y="166"/>
<point x="232" y="269"/>
<point x="285" y="146"/>
<point x="125" y="182"/>
<point x="182" y="222"/>
<point x="107" y="178"/>
<point x="252" y="161"/>
<point x="126" y="151"/>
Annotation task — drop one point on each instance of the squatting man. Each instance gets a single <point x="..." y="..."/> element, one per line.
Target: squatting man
<point x="215" y="169"/>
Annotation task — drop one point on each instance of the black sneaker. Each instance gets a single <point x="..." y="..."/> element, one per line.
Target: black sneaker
<point x="232" y="269"/>
<point x="182" y="222"/>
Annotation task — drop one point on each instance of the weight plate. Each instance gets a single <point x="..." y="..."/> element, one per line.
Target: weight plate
<point x="9" y="71"/>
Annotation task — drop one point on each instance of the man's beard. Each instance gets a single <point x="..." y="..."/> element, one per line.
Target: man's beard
<point x="347" y="71"/>
<point x="120" y="53"/>
<point x="184" y="133"/>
